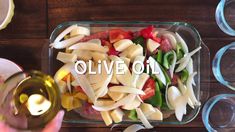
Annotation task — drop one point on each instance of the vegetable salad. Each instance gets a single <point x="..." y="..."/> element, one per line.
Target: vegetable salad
<point x="113" y="97"/>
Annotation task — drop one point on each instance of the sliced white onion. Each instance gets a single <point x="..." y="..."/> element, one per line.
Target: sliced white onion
<point x="126" y="89"/>
<point x="134" y="104"/>
<point x="85" y="85"/>
<point x="143" y="119"/>
<point x="104" y="88"/>
<point x="89" y="46"/>
<point x="180" y="109"/>
<point x="171" y="38"/>
<point x="183" y="62"/>
<point x="182" y="87"/>
<point x="66" y="43"/>
<point x="183" y="90"/>
<point x="74" y="83"/>
<point x="65" y="32"/>
<point x="182" y="42"/>
<point x="135" y="76"/>
<point x="189" y="68"/>
<point x="172" y="67"/>
<point x="113" y="126"/>
<point x="172" y="94"/>
<point x="155" y="66"/>
<point x="79" y="30"/>
<point x="66" y="57"/>
<point x="194" y="51"/>
<point x="63" y="71"/>
<point x="190" y="92"/>
<point x="167" y="100"/>
<point x="134" y="128"/>
<point x="126" y="100"/>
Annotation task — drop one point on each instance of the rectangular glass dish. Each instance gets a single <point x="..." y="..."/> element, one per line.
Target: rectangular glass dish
<point x="201" y="61"/>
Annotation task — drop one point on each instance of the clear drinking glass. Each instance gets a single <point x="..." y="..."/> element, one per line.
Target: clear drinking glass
<point x="218" y="113"/>
<point x="29" y="100"/>
<point x="225" y="16"/>
<point x="223" y="66"/>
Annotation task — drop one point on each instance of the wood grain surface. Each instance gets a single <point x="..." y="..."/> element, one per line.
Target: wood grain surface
<point x="27" y="35"/>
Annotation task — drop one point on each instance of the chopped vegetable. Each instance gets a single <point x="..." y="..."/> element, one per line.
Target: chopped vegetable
<point x="167" y="59"/>
<point x="155" y="66"/>
<point x="158" y="57"/>
<point x="134" y="128"/>
<point x="143" y="118"/>
<point x="118" y="34"/>
<point x="156" y="100"/>
<point x="184" y="75"/>
<point x="149" y="89"/>
<point x="145" y="96"/>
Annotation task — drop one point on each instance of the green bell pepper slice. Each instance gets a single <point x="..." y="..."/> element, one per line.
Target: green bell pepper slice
<point x="133" y="115"/>
<point x="167" y="59"/>
<point x="184" y="75"/>
<point x="156" y="100"/>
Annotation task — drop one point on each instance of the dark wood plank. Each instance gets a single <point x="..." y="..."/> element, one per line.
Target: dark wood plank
<point x="29" y="20"/>
<point x="200" y="13"/>
<point x="25" y="52"/>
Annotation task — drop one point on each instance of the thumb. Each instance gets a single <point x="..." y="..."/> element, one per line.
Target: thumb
<point x="6" y="128"/>
<point x="55" y="124"/>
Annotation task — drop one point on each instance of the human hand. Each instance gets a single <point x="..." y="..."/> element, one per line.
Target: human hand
<point x="53" y="126"/>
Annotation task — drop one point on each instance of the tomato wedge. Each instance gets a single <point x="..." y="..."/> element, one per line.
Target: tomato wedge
<point x="149" y="89"/>
<point x="148" y="33"/>
<point x="119" y="34"/>
<point x="112" y="50"/>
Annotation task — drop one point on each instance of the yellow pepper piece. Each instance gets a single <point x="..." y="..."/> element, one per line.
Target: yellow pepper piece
<point x="69" y="102"/>
<point x="23" y="98"/>
<point x="81" y="96"/>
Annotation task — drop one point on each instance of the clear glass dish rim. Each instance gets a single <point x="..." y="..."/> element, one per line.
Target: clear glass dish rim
<point x="198" y="37"/>
<point x="216" y="65"/>
<point x="208" y="107"/>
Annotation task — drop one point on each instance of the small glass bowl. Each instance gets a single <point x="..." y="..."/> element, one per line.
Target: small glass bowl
<point x="225" y="16"/>
<point x="16" y="113"/>
<point x="223" y="66"/>
<point x="218" y="113"/>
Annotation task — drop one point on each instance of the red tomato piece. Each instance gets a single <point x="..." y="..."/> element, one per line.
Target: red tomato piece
<point x="165" y="45"/>
<point x="112" y="50"/>
<point x="149" y="89"/>
<point x="148" y="33"/>
<point x="98" y="35"/>
<point x="119" y="34"/>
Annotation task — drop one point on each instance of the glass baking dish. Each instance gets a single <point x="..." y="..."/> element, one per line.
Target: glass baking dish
<point x="189" y="34"/>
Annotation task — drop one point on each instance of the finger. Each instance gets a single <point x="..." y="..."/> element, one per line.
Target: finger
<point x="55" y="124"/>
<point x="6" y="128"/>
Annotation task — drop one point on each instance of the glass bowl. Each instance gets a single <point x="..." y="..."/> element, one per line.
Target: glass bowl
<point x="218" y="113"/>
<point x="20" y="108"/>
<point x="187" y="31"/>
<point x="225" y="16"/>
<point x="223" y="66"/>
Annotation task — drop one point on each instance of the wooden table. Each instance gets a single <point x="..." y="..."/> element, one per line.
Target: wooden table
<point x="34" y="21"/>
